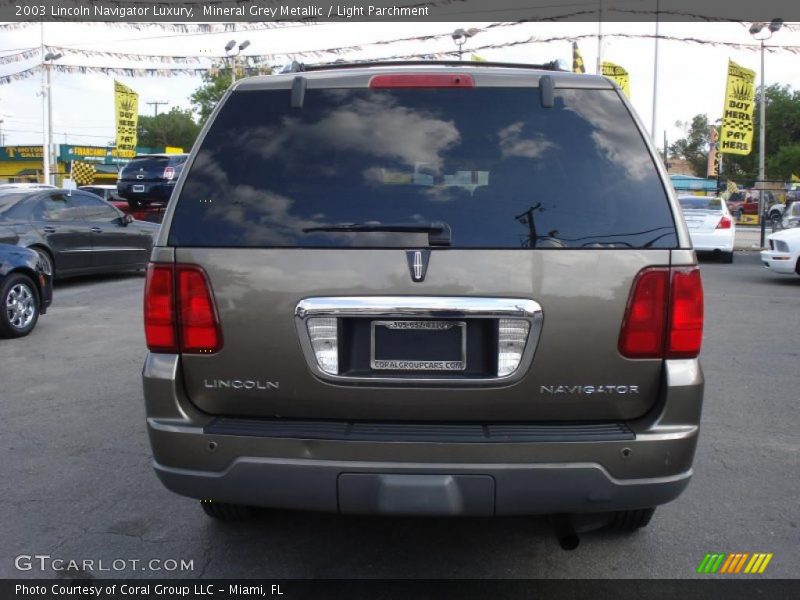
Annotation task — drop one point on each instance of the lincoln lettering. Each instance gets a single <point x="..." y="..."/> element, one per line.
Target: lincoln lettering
<point x="241" y="384"/>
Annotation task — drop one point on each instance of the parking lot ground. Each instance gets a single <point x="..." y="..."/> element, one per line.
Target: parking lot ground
<point x="78" y="482"/>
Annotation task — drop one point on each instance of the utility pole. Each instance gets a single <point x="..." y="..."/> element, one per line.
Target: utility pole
<point x="47" y="64"/>
<point x="155" y="106"/>
<point x="46" y="124"/>
<point x="600" y="39"/>
<point x="655" y="77"/>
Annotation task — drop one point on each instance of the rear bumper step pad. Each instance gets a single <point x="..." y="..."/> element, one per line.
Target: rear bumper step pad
<point x="360" y="431"/>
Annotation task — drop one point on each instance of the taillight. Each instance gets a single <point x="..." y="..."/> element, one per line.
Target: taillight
<point x="179" y="311"/>
<point x="169" y="173"/>
<point x="724" y="223"/>
<point x="159" y="309"/>
<point x="686" y="314"/>
<point x="664" y="316"/>
<point x="422" y="80"/>
<point x="199" y="325"/>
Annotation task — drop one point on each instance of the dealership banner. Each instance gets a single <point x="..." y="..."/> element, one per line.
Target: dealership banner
<point x="619" y="75"/>
<point x="126" y="112"/>
<point x="736" y="134"/>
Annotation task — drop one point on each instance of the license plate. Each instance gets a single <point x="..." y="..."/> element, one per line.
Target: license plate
<point x="138" y="188"/>
<point x="693" y="224"/>
<point x="418" y="346"/>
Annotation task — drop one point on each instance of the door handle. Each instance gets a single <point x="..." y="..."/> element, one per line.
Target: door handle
<point x="97" y="230"/>
<point x="49" y="229"/>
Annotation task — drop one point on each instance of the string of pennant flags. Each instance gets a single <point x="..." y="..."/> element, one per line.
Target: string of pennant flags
<point x="27" y="54"/>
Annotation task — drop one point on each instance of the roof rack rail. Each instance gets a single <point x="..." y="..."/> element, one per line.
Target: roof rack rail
<point x="297" y="67"/>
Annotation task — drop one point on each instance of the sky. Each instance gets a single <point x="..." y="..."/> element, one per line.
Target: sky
<point x="691" y="77"/>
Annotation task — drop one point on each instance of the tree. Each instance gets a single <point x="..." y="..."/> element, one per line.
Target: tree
<point x="173" y="128"/>
<point x="216" y="82"/>
<point x="694" y="147"/>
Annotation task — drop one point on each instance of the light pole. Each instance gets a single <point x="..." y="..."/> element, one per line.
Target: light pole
<point x="47" y="154"/>
<point x="460" y="37"/>
<point x="229" y="50"/>
<point x="762" y="32"/>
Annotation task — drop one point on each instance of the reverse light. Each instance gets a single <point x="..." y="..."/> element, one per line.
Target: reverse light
<point x="324" y="335"/>
<point x="169" y="172"/>
<point x="725" y="223"/>
<point x="512" y="336"/>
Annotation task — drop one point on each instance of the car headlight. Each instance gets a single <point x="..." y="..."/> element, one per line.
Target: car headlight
<point x="781" y="246"/>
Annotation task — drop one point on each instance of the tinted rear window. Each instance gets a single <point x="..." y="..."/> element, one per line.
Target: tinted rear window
<point x="700" y="203"/>
<point x="501" y="170"/>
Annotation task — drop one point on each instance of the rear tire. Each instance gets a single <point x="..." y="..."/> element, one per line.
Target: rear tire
<point x="46" y="260"/>
<point x="630" y="520"/>
<point x="727" y="257"/>
<point x="19" y="306"/>
<point x="223" y="511"/>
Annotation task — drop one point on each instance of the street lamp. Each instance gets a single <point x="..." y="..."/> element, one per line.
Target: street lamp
<point x="762" y="32"/>
<point x="229" y="50"/>
<point x="460" y="37"/>
<point x="47" y="62"/>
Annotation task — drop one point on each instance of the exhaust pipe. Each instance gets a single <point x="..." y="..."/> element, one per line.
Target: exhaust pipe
<point x="565" y="532"/>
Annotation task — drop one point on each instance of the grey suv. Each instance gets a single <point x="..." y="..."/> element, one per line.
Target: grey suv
<point x="424" y="289"/>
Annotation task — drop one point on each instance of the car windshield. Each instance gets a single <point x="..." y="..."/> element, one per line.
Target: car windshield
<point x="700" y="203"/>
<point x="577" y="175"/>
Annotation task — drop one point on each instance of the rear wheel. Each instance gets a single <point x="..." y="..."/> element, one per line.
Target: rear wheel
<point x="227" y="512"/>
<point x="19" y="301"/>
<point x="727" y="257"/>
<point x="630" y="520"/>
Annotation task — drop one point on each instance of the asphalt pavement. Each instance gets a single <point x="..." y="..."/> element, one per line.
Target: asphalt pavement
<point x="78" y="484"/>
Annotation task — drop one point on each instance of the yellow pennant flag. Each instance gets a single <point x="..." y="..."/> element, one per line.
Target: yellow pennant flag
<point x="795" y="178"/>
<point x="126" y="113"/>
<point x="577" y="59"/>
<point x="476" y="58"/>
<point x="736" y="133"/>
<point x="619" y="75"/>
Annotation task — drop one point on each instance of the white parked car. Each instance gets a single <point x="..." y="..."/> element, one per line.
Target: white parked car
<point x="710" y="224"/>
<point x="783" y="255"/>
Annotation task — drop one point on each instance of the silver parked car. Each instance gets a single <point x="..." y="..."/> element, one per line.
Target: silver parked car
<point x="424" y="289"/>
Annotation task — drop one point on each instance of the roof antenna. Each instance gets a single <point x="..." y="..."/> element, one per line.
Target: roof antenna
<point x="298" y="91"/>
<point x="546" y="91"/>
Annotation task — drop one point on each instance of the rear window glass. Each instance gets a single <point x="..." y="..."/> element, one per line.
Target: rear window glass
<point x="700" y="203"/>
<point x="499" y="169"/>
<point x="153" y="163"/>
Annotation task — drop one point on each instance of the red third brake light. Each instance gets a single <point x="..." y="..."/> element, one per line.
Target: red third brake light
<point x="422" y="80"/>
<point x="686" y="313"/>
<point x="664" y="316"/>
<point x="179" y="311"/>
<point x="198" y="316"/>
<point x="159" y="309"/>
<point x="724" y="223"/>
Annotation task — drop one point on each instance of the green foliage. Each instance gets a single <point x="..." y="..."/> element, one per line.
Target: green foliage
<point x="173" y="128"/>
<point x="216" y="82"/>
<point x="694" y="147"/>
<point x="782" y="140"/>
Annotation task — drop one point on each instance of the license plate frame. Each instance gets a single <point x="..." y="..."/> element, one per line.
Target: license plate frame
<point x="138" y="189"/>
<point x="413" y="365"/>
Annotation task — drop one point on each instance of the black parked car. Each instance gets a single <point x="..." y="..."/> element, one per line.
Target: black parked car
<point x="150" y="178"/>
<point x="75" y="232"/>
<point x="26" y="290"/>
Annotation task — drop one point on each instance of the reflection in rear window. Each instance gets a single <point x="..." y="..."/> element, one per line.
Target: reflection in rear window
<point x="501" y="170"/>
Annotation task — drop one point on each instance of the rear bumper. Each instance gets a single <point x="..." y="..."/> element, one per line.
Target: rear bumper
<point x="378" y="475"/>
<point x="719" y="240"/>
<point x="153" y="191"/>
